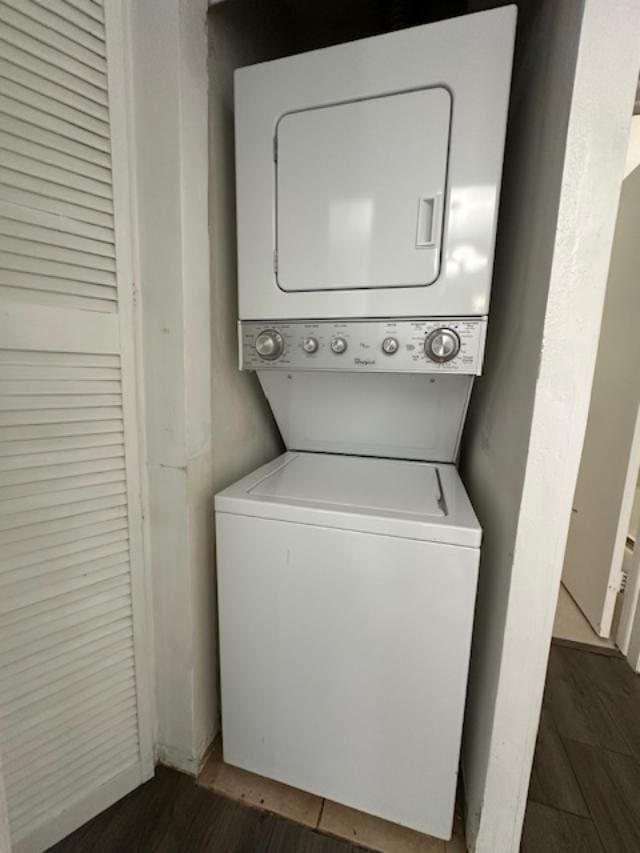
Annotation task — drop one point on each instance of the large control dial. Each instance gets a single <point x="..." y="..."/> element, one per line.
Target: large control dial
<point x="269" y="344"/>
<point x="442" y="345"/>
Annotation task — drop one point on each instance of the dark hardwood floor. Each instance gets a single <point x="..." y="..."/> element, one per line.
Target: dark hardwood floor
<point x="172" y="814"/>
<point x="584" y="795"/>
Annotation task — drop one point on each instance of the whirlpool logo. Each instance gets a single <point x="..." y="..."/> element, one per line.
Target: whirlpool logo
<point x="364" y="362"/>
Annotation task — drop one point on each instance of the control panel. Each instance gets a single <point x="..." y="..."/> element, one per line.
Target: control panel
<point x="434" y="345"/>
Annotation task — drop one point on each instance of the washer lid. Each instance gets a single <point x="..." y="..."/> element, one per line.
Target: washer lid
<point x="357" y="485"/>
<point x="416" y="500"/>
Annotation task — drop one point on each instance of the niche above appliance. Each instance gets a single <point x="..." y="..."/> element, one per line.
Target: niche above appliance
<point x="368" y="173"/>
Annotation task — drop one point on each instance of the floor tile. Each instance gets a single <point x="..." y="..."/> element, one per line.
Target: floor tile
<point x="624" y="772"/>
<point x="221" y="825"/>
<point x="548" y="830"/>
<point x="618" y="688"/>
<point x="260" y="792"/>
<point x="553" y="782"/>
<point x="614" y="820"/>
<point x="291" y="838"/>
<point x="576" y="706"/>
<point x="212" y="765"/>
<point x="373" y="832"/>
<point x="172" y="814"/>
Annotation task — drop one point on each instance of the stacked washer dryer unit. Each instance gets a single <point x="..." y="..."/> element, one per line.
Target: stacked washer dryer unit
<point x="367" y="189"/>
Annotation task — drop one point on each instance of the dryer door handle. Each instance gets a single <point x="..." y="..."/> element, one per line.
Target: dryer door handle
<point x="428" y="225"/>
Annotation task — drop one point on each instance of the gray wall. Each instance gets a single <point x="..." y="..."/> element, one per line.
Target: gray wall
<point x="496" y="437"/>
<point x="244" y="433"/>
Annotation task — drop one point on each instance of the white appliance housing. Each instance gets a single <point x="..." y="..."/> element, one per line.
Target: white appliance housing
<point x="368" y="178"/>
<point x="368" y="174"/>
<point x="379" y="394"/>
<point x="346" y="589"/>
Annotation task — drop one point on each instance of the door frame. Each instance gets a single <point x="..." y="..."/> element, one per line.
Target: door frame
<point x="628" y="634"/>
<point x="120" y="76"/>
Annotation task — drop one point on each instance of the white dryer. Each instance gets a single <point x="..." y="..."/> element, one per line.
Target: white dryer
<point x="368" y="174"/>
<point x="367" y="185"/>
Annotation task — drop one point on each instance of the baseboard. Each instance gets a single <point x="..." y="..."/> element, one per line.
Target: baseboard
<point x="178" y="760"/>
<point x="586" y="647"/>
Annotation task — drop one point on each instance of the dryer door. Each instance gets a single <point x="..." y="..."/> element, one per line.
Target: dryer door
<point x="361" y="192"/>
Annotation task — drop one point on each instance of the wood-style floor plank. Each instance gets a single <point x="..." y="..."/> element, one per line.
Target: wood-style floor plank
<point x="172" y="814"/>
<point x="576" y="706"/>
<point x="548" y="830"/>
<point x="618" y="688"/>
<point x="591" y="717"/>
<point x="223" y="825"/>
<point x="617" y="826"/>
<point x="553" y="782"/>
<point x="288" y="837"/>
<point x="584" y="795"/>
<point x="151" y="818"/>
<point x="625" y="775"/>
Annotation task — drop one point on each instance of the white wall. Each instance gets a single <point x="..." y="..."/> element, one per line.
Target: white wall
<point x="606" y="485"/>
<point x="169" y="58"/>
<point x="563" y="168"/>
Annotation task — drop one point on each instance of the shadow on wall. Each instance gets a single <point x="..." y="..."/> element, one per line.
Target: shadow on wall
<point x="244" y="432"/>
<point x="496" y="438"/>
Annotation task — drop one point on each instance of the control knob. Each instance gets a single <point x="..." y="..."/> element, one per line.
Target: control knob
<point x="442" y="345"/>
<point x="390" y="346"/>
<point x="338" y="345"/>
<point x="269" y="344"/>
<point x="310" y="345"/>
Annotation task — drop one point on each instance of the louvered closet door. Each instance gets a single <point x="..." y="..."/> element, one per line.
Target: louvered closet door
<point x="74" y="712"/>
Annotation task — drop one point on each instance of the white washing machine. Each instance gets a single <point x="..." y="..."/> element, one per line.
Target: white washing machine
<point x="368" y="177"/>
<point x="346" y="588"/>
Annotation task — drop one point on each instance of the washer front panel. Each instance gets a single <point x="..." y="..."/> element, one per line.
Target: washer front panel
<point x="364" y="345"/>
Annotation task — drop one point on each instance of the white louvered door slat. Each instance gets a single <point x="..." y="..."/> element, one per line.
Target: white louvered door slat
<point x="75" y="730"/>
<point x="36" y="87"/>
<point x="30" y="65"/>
<point x="67" y="181"/>
<point x="52" y="235"/>
<point x="64" y="20"/>
<point x="50" y="30"/>
<point x="81" y="17"/>
<point x="67" y="62"/>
